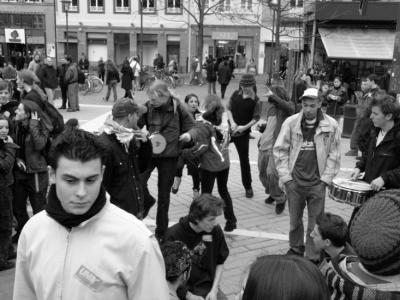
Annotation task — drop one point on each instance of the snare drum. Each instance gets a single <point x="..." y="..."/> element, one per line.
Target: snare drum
<point x="348" y="191"/>
<point x="158" y="142"/>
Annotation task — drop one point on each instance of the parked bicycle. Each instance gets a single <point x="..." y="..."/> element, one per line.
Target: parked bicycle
<point x="93" y="84"/>
<point x="148" y="77"/>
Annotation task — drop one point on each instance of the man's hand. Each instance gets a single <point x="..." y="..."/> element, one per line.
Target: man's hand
<point x="185" y="137"/>
<point x="240" y="128"/>
<point x="355" y="174"/>
<point x="190" y="296"/>
<point x="377" y="184"/>
<point x="212" y="295"/>
<point x="234" y="126"/>
<point x="21" y="164"/>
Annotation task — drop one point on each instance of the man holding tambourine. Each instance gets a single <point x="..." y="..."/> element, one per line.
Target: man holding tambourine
<point x="165" y="120"/>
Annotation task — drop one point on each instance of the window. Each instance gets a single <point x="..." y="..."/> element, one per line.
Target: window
<point x="174" y="6"/>
<point x="4" y="20"/>
<point x="96" y="6"/>
<point x="33" y="1"/>
<point x="27" y="21"/>
<point x="246" y="4"/>
<point x="149" y="6"/>
<point x="296" y="3"/>
<point x="38" y="21"/>
<point x="122" y="6"/>
<point x="227" y="5"/>
<point x="73" y="7"/>
<point x="206" y="3"/>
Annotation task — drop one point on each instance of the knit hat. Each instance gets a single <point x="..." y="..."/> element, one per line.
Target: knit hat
<point x="247" y="80"/>
<point x="126" y="106"/>
<point x="375" y="233"/>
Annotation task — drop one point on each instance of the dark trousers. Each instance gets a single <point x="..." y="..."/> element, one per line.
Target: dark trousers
<point x="211" y="88"/>
<point x="34" y="187"/>
<point x="64" y="92"/>
<point x="298" y="197"/>
<point x="207" y="184"/>
<point x="6" y="218"/>
<point x="128" y="94"/>
<point x="242" y="146"/>
<point x="223" y="90"/>
<point x="166" y="167"/>
<point x="193" y="171"/>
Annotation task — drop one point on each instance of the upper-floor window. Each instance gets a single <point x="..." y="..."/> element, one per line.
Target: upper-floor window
<point x="227" y="5"/>
<point x="246" y="4"/>
<point x="8" y="0"/>
<point x="173" y="6"/>
<point x="149" y="6"/>
<point x="33" y="1"/>
<point x="122" y="6"/>
<point x="296" y="3"/>
<point x="96" y="6"/>
<point x="73" y="6"/>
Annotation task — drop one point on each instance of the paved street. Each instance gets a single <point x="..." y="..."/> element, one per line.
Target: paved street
<point x="259" y="231"/>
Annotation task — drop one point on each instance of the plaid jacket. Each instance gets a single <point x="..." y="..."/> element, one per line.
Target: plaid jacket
<point x="327" y="143"/>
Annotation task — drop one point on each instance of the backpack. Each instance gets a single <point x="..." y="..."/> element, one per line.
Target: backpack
<point x="81" y="76"/>
<point x="57" y="120"/>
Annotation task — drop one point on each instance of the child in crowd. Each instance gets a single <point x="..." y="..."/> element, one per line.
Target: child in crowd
<point x="7" y="105"/>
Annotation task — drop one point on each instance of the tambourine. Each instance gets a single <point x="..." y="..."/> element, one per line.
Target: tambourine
<point x="158" y="142"/>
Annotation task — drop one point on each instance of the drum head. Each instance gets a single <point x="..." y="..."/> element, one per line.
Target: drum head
<point x="158" y="142"/>
<point x="348" y="184"/>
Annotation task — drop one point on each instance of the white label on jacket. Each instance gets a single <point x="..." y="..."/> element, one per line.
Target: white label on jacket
<point x="88" y="278"/>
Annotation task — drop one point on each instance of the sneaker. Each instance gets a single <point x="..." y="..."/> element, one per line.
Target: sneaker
<point x="71" y="110"/>
<point x="351" y="153"/>
<point x="229" y="226"/>
<point x="176" y="184"/>
<point x="269" y="200"/>
<point x="7" y="265"/>
<point x="249" y="193"/>
<point x="280" y="207"/>
<point x="62" y="107"/>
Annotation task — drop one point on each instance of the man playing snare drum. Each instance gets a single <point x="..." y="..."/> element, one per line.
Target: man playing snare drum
<point x="381" y="160"/>
<point x="307" y="158"/>
<point x="165" y="120"/>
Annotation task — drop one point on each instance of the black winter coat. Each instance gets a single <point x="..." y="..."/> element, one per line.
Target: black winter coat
<point x="48" y="77"/>
<point x="127" y="77"/>
<point x="212" y="70"/>
<point x="7" y="160"/>
<point x="224" y="74"/>
<point x="383" y="160"/>
<point x="122" y="173"/>
<point x="112" y="75"/>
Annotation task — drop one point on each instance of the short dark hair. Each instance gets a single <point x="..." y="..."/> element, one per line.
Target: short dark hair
<point x="334" y="228"/>
<point x="187" y="98"/>
<point x="285" y="277"/>
<point x="387" y="104"/>
<point x="203" y="206"/>
<point x="68" y="58"/>
<point x="338" y="78"/>
<point x="4" y="85"/>
<point x="373" y="77"/>
<point x="78" y="145"/>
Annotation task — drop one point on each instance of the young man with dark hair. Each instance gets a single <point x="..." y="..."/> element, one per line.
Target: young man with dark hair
<point x="330" y="235"/>
<point x="82" y="246"/>
<point x="200" y="232"/>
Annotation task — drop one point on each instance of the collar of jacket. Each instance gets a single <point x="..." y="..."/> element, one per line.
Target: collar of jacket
<point x="324" y="124"/>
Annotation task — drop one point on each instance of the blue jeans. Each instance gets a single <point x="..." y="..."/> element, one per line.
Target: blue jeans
<point x="298" y="196"/>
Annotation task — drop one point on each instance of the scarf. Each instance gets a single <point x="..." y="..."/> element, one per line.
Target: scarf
<point x="55" y="210"/>
<point x="124" y="135"/>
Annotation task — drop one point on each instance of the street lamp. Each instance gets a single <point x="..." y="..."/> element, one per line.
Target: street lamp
<point x="275" y="5"/>
<point x="66" y="4"/>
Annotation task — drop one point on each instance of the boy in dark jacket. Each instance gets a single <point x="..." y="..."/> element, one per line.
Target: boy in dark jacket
<point x="48" y="78"/>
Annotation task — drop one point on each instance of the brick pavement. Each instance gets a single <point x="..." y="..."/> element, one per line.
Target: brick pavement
<point x="253" y="214"/>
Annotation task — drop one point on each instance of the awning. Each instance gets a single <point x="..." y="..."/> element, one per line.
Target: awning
<point x="366" y="44"/>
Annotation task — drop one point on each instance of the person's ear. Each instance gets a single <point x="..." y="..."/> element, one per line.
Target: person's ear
<point x="389" y="116"/>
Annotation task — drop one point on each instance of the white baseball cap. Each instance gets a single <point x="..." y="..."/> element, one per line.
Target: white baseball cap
<point x="310" y="93"/>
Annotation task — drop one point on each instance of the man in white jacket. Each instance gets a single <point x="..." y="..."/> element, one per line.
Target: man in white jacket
<point x="82" y="246"/>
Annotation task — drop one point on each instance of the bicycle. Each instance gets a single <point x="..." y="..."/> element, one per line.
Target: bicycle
<point x="93" y="84"/>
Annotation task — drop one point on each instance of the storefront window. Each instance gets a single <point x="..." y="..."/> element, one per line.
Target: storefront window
<point x="26" y="21"/>
<point x="38" y="21"/>
<point x="15" y="20"/>
<point x="4" y="20"/>
<point x="225" y="48"/>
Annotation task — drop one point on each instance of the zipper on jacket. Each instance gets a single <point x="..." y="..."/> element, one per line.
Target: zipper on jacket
<point x="64" y="264"/>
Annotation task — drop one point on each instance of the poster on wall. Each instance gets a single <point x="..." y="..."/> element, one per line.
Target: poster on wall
<point x="51" y="50"/>
<point x="14" y="35"/>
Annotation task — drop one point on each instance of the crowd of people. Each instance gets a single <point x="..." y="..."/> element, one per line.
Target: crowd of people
<point x="88" y="238"/>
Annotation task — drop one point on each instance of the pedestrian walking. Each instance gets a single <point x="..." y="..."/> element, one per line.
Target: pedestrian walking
<point x="71" y="78"/>
<point x="126" y="79"/>
<point x="277" y="108"/>
<point x="224" y="76"/>
<point x="136" y="69"/>
<point x="251" y="67"/>
<point x="243" y="111"/>
<point x="211" y="148"/>
<point x="48" y="78"/>
<point x="112" y="79"/>
<point x="127" y="146"/>
<point x="307" y="158"/>
<point x="31" y="178"/>
<point x="7" y="152"/>
<point x="34" y="64"/>
<point x="61" y="71"/>
<point x="337" y="97"/>
<point x="82" y="246"/>
<point x="211" y="69"/>
<point x="166" y="119"/>
<point x="101" y="70"/>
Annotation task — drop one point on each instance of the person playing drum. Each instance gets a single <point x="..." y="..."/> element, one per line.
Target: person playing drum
<point x="381" y="160"/>
<point x="166" y="119"/>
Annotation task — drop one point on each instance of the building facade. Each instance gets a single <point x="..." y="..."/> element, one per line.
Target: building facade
<point x="27" y="26"/>
<point x="112" y="29"/>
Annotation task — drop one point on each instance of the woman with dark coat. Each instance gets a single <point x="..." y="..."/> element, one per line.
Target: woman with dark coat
<point x="126" y="80"/>
<point x="212" y="69"/>
<point x="112" y="78"/>
<point x="224" y="76"/>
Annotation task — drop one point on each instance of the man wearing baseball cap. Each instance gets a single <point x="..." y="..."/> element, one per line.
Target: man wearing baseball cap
<point x="307" y="158"/>
<point x="127" y="146"/>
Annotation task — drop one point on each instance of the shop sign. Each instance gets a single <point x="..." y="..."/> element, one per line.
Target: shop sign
<point x="15" y="35"/>
<point x="220" y="35"/>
